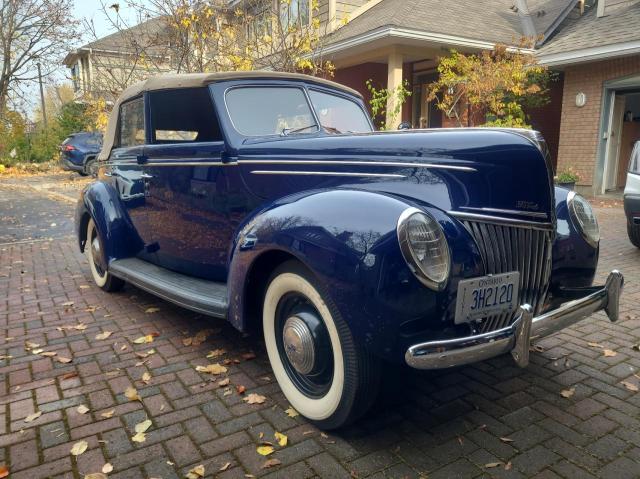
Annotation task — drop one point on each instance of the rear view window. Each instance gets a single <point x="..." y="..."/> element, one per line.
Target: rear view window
<point x="183" y="116"/>
<point x="132" y="123"/>
<point x="263" y="111"/>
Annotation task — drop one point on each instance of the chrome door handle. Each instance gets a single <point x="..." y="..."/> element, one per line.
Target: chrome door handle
<point x="146" y="176"/>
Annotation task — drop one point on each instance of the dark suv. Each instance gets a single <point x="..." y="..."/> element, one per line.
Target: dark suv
<point x="78" y="152"/>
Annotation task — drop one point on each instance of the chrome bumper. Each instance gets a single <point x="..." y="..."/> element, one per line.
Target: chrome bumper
<point x="516" y="337"/>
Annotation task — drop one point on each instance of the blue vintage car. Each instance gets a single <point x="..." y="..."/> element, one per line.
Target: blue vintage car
<point x="267" y="199"/>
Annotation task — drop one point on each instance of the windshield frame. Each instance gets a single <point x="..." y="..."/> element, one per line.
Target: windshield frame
<point x="319" y="131"/>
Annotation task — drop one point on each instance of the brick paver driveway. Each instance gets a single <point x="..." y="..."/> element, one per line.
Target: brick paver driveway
<point x="490" y="419"/>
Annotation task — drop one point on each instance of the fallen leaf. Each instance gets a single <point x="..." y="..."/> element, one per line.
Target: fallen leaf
<point x="214" y="368"/>
<point x="84" y="286"/>
<point x="241" y="389"/>
<point x="143" y="426"/>
<point x="227" y="392"/>
<point x="248" y="356"/>
<point x="67" y="304"/>
<point x="196" y="472"/>
<point x="224" y="382"/>
<point x="37" y="351"/>
<point x="608" y="353"/>
<point x="63" y="360"/>
<point x="123" y="347"/>
<point x="144" y="339"/>
<point x="254" y="398"/>
<point x="201" y="336"/>
<point x="107" y="468"/>
<point x="507" y="466"/>
<point x="224" y="467"/>
<point x="33" y="417"/>
<point x="492" y="464"/>
<point x="79" y="447"/>
<point x="71" y="375"/>
<point x="187" y="341"/>
<point x="567" y="393"/>
<point x="271" y="463"/>
<point x="151" y="310"/>
<point x="48" y="354"/>
<point x="636" y="347"/>
<point x="95" y="475"/>
<point x="103" y="335"/>
<point x="82" y="409"/>
<point x="265" y="450"/>
<point x="216" y="353"/>
<point x="4" y="471"/>
<point x="139" y="437"/>
<point x="80" y="326"/>
<point x="594" y="345"/>
<point x="281" y="438"/>
<point x="131" y="394"/>
<point x="30" y="345"/>
<point x="146" y="377"/>
<point x="630" y="386"/>
<point x="506" y="439"/>
<point x="291" y="412"/>
<point x="108" y="414"/>
<point x="5" y="356"/>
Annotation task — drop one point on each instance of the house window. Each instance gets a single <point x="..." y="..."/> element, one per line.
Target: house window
<point x="132" y="123"/>
<point x="295" y="12"/>
<point x="260" y="26"/>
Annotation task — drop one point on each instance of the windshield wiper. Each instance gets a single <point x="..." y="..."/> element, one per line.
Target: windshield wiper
<point x="288" y="131"/>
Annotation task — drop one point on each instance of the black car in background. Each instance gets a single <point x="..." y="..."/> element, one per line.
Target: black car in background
<point x="78" y="152"/>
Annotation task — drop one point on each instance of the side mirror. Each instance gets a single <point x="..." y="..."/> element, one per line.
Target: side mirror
<point x="405" y="125"/>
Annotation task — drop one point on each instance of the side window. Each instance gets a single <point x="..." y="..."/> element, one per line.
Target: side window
<point x="132" y="123"/>
<point x="183" y="116"/>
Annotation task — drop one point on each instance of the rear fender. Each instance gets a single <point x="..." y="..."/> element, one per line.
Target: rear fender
<point x="100" y="202"/>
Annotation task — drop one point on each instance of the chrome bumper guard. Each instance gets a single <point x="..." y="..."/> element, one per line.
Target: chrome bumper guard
<point x="516" y="337"/>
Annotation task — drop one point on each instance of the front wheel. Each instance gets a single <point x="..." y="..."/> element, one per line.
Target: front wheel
<point x="323" y="373"/>
<point x="633" y="231"/>
<point x="93" y="249"/>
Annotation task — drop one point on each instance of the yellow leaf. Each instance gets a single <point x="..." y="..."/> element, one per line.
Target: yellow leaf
<point x="30" y="345"/>
<point x="80" y="326"/>
<point x="567" y="393"/>
<point x="224" y="467"/>
<point x="214" y="368"/>
<point x="224" y="382"/>
<point x="594" y="345"/>
<point x="33" y="417"/>
<point x="281" y="438"/>
<point x="608" y="353"/>
<point x="82" y="409"/>
<point x="506" y="439"/>
<point x="265" y="450"/>
<point x="216" y="353"/>
<point x="108" y="414"/>
<point x="103" y="335"/>
<point x="146" y="377"/>
<point x="143" y="426"/>
<point x="492" y="464"/>
<point x="131" y="394"/>
<point x="48" y="354"/>
<point x="196" y="472"/>
<point x="79" y="447"/>
<point x="139" y="437"/>
<point x="151" y="310"/>
<point x="254" y="398"/>
<point x="37" y="351"/>
<point x="291" y="412"/>
<point x="630" y="386"/>
<point x="107" y="468"/>
<point x="63" y="360"/>
<point x="144" y="339"/>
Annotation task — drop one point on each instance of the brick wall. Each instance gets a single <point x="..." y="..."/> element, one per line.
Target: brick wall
<point x="357" y="76"/>
<point x="579" y="129"/>
<point x="546" y="119"/>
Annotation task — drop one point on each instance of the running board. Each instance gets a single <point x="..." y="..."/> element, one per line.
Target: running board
<point x="202" y="296"/>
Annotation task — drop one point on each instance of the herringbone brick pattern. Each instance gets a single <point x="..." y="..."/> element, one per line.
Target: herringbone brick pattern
<point x="486" y="420"/>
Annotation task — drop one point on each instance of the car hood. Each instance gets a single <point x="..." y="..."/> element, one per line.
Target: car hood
<point x="474" y="171"/>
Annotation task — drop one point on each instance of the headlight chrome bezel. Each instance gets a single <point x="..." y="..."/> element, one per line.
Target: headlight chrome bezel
<point x="594" y="242"/>
<point x="409" y="255"/>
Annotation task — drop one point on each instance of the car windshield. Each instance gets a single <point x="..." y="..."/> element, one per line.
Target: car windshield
<point x="263" y="111"/>
<point x="338" y="114"/>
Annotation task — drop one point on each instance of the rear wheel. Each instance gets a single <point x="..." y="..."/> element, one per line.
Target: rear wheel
<point x="633" y="231"/>
<point x="323" y="373"/>
<point x="94" y="251"/>
<point x="91" y="167"/>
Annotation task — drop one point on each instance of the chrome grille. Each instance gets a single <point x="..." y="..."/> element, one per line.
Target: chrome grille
<point x="507" y="248"/>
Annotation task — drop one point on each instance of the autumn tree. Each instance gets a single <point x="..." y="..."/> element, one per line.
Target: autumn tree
<point x="498" y="84"/>
<point x="31" y="32"/>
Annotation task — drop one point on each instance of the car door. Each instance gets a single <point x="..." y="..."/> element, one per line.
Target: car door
<point x="187" y="206"/>
<point x="124" y="170"/>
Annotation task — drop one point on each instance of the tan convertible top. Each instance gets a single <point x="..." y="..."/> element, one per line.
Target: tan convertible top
<point x="194" y="80"/>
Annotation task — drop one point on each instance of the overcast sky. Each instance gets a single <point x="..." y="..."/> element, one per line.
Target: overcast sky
<point x="91" y="10"/>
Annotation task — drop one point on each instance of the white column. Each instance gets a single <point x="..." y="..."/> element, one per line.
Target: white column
<point x="394" y="80"/>
<point x="332" y="19"/>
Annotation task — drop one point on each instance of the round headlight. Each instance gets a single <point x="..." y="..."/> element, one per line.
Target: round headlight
<point x="424" y="247"/>
<point x="583" y="218"/>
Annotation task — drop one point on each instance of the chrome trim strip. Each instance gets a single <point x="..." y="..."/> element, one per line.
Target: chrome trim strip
<point x="532" y="214"/>
<point x="501" y="220"/>
<point x="397" y="164"/>
<point x="325" y="173"/>
<point x="458" y="351"/>
<point x="171" y="163"/>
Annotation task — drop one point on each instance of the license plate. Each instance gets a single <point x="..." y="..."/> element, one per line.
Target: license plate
<point x="487" y="296"/>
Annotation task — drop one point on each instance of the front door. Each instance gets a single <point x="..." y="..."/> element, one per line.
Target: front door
<point x="614" y="135"/>
<point x="187" y="184"/>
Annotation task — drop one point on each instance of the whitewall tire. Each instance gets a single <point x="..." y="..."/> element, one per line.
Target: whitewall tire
<point x="323" y="374"/>
<point x="94" y="252"/>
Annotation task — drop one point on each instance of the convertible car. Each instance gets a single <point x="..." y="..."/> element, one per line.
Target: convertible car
<point x="268" y="199"/>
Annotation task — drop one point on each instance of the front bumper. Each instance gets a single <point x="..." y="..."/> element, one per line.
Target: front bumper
<point x="516" y="337"/>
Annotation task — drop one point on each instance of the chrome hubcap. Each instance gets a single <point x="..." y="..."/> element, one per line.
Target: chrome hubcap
<point x="298" y="345"/>
<point x="95" y="251"/>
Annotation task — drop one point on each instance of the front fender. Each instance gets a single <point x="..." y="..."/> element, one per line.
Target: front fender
<point x="100" y="201"/>
<point x="348" y="239"/>
<point x="574" y="260"/>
